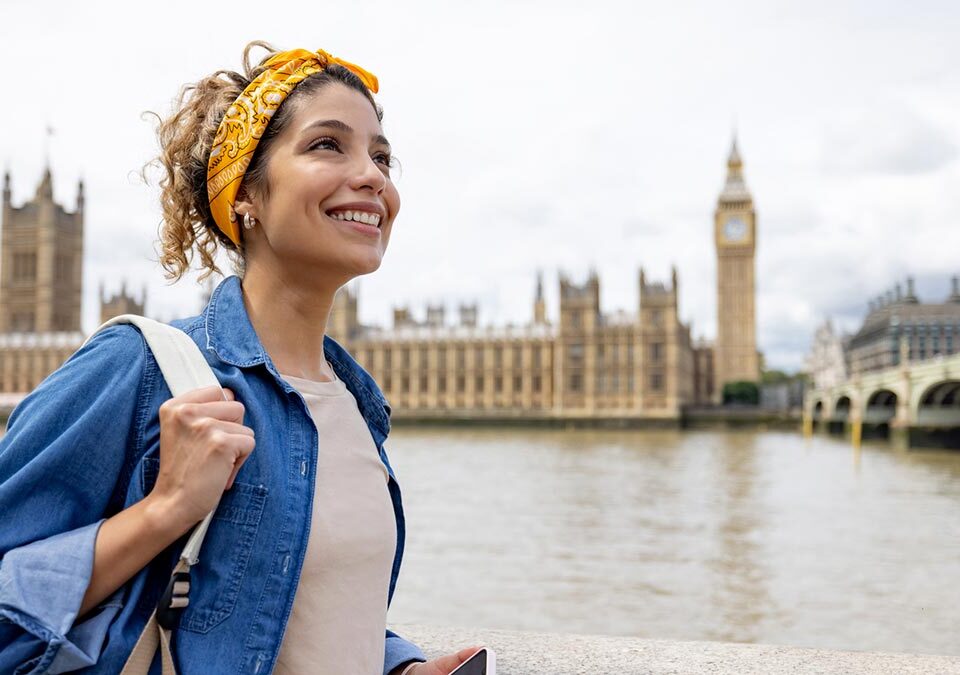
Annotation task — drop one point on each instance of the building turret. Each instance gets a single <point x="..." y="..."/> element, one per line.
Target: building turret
<point x="435" y="316"/>
<point x="911" y="296"/>
<point x="955" y="293"/>
<point x="45" y="188"/>
<point x="468" y="315"/>
<point x="539" y="304"/>
<point x="121" y="303"/>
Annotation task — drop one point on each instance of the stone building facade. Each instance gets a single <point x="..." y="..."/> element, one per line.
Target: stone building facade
<point x="41" y="286"/>
<point x="587" y="364"/>
<point x="898" y="323"/>
<point x="41" y="273"/>
<point x="826" y="363"/>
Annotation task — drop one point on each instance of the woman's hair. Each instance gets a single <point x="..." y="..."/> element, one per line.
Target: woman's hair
<point x="186" y="137"/>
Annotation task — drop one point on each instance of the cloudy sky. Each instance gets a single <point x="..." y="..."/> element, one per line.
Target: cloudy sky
<point x="548" y="135"/>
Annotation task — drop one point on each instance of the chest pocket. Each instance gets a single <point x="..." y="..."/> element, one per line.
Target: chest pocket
<point x="218" y="576"/>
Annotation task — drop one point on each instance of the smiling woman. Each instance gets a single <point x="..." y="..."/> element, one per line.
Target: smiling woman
<point x="286" y="168"/>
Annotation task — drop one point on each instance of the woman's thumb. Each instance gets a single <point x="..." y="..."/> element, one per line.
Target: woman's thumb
<point x="450" y="661"/>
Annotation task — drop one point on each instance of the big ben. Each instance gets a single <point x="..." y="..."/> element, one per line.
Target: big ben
<point x="735" y="234"/>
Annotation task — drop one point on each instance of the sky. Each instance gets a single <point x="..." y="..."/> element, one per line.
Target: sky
<point x="552" y="136"/>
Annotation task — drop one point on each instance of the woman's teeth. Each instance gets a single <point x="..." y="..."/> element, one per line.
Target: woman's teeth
<point x="358" y="216"/>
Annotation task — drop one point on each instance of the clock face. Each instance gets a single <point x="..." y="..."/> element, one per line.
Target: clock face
<point x="735" y="230"/>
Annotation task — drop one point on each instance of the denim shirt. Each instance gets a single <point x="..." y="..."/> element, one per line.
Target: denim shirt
<point x="85" y="444"/>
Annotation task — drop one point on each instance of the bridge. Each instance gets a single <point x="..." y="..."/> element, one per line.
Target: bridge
<point x="917" y="402"/>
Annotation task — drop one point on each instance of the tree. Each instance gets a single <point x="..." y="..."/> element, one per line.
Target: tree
<point x="742" y="392"/>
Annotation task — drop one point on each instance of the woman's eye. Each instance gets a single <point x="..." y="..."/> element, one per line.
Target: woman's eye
<point x="324" y="143"/>
<point x="383" y="158"/>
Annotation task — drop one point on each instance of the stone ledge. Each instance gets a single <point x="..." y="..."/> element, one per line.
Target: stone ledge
<point x="521" y="653"/>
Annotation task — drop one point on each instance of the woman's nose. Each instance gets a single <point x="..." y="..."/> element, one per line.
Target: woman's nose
<point x="367" y="175"/>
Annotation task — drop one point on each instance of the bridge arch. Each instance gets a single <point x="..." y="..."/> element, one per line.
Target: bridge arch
<point x="881" y="407"/>
<point x="841" y="409"/>
<point x="939" y="404"/>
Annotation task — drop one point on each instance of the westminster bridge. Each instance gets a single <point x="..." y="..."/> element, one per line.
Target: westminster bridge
<point x="917" y="402"/>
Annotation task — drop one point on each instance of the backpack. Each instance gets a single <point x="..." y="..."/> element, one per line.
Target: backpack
<point x="184" y="368"/>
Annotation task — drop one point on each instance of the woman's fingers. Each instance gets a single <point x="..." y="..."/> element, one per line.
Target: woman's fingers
<point x="446" y="664"/>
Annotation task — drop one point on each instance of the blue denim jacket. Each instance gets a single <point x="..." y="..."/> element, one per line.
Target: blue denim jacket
<point x="84" y="445"/>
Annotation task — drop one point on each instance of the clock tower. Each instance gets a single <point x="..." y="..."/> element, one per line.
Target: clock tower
<point x="735" y="234"/>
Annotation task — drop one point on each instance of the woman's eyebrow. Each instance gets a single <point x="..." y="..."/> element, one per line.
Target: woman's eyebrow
<point x="346" y="128"/>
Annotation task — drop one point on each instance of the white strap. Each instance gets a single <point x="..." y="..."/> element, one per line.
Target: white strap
<point x="178" y="356"/>
<point x="184" y="369"/>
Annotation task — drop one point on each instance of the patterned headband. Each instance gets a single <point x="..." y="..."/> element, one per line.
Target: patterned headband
<point x="246" y="119"/>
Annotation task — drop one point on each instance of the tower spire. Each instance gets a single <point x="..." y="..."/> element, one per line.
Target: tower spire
<point x="735" y="188"/>
<point x="539" y="304"/>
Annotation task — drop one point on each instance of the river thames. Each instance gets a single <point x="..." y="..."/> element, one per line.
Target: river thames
<point x="691" y="535"/>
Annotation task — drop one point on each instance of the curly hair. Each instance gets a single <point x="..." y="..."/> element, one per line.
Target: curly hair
<point x="185" y="139"/>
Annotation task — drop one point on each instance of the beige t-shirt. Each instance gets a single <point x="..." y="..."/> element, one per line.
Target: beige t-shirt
<point x="339" y="612"/>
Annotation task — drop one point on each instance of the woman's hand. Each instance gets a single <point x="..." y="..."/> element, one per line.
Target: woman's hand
<point x="445" y="664"/>
<point x="203" y="444"/>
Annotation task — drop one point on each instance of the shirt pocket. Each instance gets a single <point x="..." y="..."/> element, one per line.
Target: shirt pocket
<point x="217" y="578"/>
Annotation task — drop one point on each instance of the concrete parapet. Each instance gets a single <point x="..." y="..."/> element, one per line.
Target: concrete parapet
<point x="521" y="653"/>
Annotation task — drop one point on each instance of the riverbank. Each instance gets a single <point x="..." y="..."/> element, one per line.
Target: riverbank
<point x="522" y="653"/>
<point x="719" y="417"/>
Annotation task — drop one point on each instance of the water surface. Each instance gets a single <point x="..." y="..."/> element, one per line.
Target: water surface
<point x="734" y="536"/>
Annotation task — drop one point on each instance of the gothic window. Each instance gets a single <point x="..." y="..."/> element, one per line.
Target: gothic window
<point x="22" y="322"/>
<point x="64" y="271"/>
<point x="405" y="357"/>
<point x="405" y="384"/>
<point x="656" y="382"/>
<point x="478" y="383"/>
<point x="497" y="356"/>
<point x="24" y="266"/>
<point x="517" y="383"/>
<point x="517" y="356"/>
<point x="461" y="357"/>
<point x="536" y="356"/>
<point x="576" y="382"/>
<point x="461" y="384"/>
<point x="478" y="357"/>
<point x="442" y="384"/>
<point x="656" y="352"/>
<point x="498" y="384"/>
<point x="537" y="383"/>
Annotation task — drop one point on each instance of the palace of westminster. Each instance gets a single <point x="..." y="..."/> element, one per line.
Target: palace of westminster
<point x="586" y="365"/>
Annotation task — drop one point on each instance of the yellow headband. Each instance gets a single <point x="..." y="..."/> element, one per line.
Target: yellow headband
<point x="245" y="121"/>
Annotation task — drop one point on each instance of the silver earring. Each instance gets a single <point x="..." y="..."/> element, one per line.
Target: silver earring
<point x="248" y="222"/>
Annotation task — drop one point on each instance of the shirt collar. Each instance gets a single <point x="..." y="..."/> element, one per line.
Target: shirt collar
<point x="232" y="337"/>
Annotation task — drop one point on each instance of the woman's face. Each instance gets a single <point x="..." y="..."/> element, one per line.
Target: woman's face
<point x="330" y="204"/>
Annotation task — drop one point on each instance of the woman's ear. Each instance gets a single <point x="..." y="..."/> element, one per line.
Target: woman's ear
<point x="244" y="203"/>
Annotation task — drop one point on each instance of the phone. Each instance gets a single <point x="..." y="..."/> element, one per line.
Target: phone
<point x="484" y="662"/>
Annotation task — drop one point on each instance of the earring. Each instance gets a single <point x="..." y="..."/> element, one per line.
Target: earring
<point x="248" y="222"/>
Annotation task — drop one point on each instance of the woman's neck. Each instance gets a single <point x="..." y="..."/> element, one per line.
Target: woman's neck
<point x="290" y="319"/>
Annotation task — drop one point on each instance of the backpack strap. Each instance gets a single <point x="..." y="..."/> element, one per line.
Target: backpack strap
<point x="184" y="368"/>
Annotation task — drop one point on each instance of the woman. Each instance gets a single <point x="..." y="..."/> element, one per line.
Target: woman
<point x="101" y="475"/>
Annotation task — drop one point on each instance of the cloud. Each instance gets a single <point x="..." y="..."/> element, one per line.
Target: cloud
<point x="886" y="139"/>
